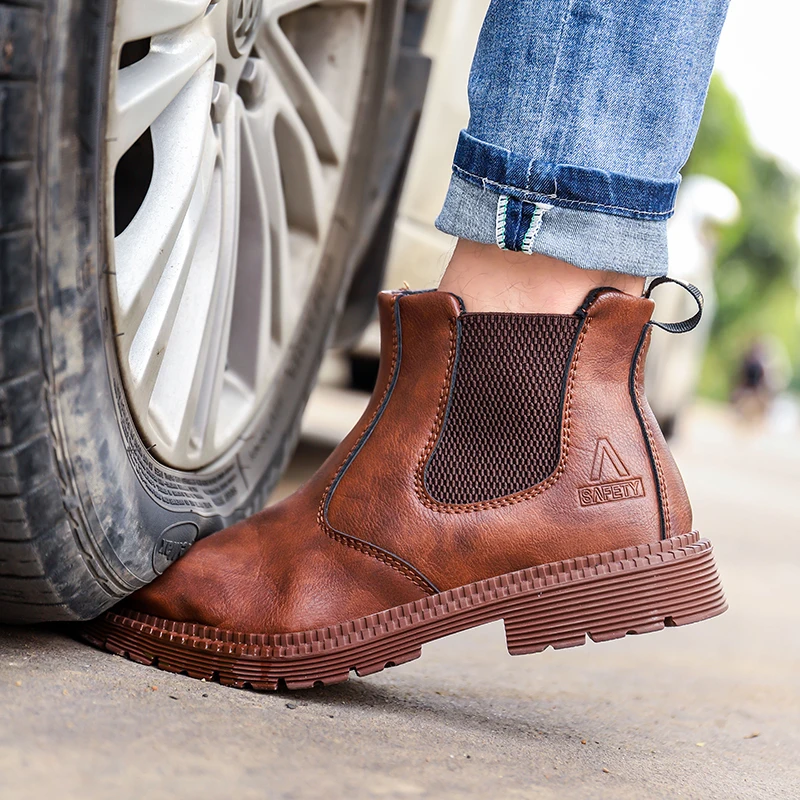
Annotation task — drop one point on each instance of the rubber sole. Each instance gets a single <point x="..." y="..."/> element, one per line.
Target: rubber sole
<point x="605" y="596"/>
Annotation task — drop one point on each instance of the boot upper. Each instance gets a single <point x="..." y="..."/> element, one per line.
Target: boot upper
<point x="492" y="443"/>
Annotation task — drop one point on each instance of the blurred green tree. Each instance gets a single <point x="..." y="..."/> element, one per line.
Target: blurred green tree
<point x="756" y="277"/>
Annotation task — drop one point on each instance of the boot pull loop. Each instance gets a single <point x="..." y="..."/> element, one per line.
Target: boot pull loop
<point x="688" y="324"/>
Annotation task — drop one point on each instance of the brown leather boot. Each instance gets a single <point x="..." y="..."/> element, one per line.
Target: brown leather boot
<point x="508" y="467"/>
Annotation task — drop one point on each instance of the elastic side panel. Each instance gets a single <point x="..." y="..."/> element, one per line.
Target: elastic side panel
<point x="502" y="430"/>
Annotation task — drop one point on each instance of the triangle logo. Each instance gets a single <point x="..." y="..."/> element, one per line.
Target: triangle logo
<point x="610" y="478"/>
<point x="607" y="463"/>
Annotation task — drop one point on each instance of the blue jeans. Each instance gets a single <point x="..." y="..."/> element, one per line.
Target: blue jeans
<point x="582" y="113"/>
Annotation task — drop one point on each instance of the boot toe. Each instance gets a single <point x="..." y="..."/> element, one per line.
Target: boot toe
<point x="196" y="588"/>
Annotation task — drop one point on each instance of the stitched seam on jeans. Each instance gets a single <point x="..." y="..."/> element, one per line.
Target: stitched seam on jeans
<point x="513" y="499"/>
<point x="500" y="222"/>
<point x="507" y="186"/>
<point x="343" y="538"/>
<point x="539" y="210"/>
<point x="662" y="484"/>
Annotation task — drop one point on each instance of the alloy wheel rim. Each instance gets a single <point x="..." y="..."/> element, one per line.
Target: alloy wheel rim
<point x="228" y="129"/>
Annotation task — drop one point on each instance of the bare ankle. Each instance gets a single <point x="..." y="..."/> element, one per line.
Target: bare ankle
<point x="490" y="279"/>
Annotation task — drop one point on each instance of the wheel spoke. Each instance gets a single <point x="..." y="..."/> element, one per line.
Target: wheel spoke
<point x="252" y="323"/>
<point x="186" y="395"/>
<point x="328" y="128"/>
<point x="304" y="186"/>
<point x="202" y="433"/>
<point x="146" y="88"/>
<point x="152" y="321"/>
<point x="180" y="148"/>
<point x="139" y="19"/>
<point x="175" y="396"/>
<point x="290" y="178"/>
<point x="277" y="244"/>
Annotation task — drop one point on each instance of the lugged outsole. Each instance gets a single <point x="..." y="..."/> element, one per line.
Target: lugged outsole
<point x="604" y="596"/>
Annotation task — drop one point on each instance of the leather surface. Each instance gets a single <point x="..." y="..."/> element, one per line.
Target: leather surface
<point x="279" y="571"/>
<point x="381" y="494"/>
<point x="677" y="510"/>
<point x="363" y="535"/>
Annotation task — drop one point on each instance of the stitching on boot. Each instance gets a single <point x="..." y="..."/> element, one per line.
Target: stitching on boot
<point x="379" y="555"/>
<point x="639" y="384"/>
<point x="357" y="544"/>
<point x="518" y="497"/>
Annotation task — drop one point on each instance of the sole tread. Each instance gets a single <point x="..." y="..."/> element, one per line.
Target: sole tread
<point x="557" y="605"/>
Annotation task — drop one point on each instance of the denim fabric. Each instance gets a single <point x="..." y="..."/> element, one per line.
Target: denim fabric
<point x="583" y="238"/>
<point x="588" y="107"/>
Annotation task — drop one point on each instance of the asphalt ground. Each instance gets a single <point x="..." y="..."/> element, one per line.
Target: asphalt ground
<point x="706" y="711"/>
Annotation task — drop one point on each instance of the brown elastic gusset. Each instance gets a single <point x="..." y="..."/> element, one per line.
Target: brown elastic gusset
<point x="502" y="427"/>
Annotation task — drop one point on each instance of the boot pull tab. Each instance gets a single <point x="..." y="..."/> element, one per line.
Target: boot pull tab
<point x="688" y="324"/>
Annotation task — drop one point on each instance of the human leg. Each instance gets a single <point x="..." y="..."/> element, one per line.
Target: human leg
<point x="582" y="114"/>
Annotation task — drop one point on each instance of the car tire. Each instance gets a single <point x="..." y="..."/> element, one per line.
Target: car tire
<point x="87" y="513"/>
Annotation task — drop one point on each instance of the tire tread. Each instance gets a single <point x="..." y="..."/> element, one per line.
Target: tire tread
<point x="33" y="519"/>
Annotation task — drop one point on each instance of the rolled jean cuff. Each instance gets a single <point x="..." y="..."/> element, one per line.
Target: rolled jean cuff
<point x="562" y="185"/>
<point x="483" y="212"/>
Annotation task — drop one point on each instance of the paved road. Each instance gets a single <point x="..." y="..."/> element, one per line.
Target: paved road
<point x="707" y="711"/>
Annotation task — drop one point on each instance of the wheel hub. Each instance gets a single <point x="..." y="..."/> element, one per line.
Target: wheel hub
<point x="243" y="19"/>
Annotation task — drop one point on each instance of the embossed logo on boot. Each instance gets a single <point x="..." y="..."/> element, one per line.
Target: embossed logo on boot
<point x="610" y="478"/>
